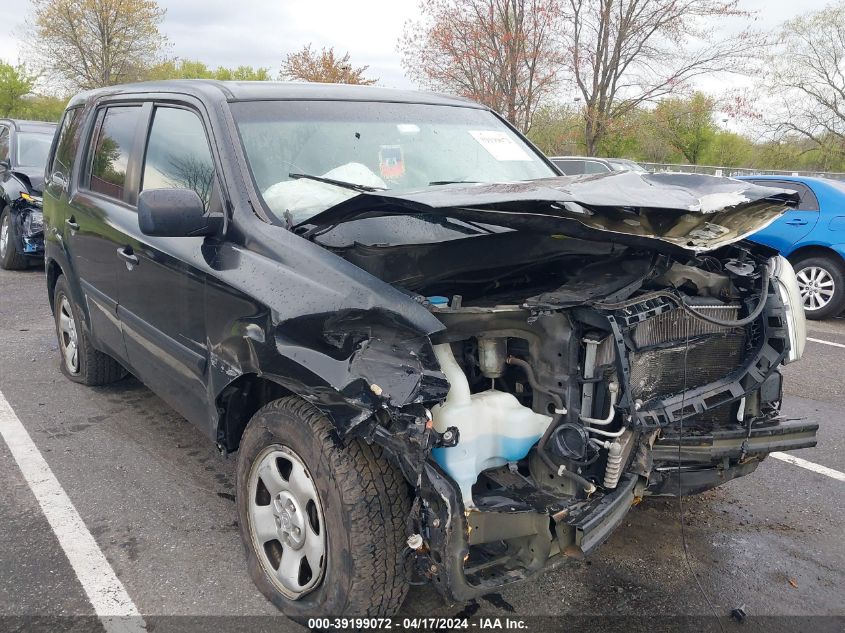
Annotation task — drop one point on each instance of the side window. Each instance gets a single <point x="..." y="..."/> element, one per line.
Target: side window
<point x="807" y="200"/>
<point x="4" y="143"/>
<point x="111" y="152"/>
<point x="67" y="144"/>
<point x="570" y="167"/>
<point x="178" y="156"/>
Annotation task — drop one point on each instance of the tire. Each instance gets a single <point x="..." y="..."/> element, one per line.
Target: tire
<point x="817" y="275"/>
<point x="361" y="506"/>
<point x="10" y="259"/>
<point x="88" y="366"/>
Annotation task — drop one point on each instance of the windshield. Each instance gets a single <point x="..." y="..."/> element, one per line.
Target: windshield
<point x="33" y="148"/>
<point x="396" y="146"/>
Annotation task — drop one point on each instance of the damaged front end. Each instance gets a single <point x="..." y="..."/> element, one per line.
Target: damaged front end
<point x="28" y="224"/>
<point x="594" y="350"/>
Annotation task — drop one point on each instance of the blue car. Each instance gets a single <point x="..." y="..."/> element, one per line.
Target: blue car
<point x="812" y="237"/>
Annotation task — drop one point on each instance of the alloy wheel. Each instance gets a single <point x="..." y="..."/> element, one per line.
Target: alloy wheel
<point x="286" y="521"/>
<point x="817" y="287"/>
<point x="68" y="338"/>
<point x="4" y="235"/>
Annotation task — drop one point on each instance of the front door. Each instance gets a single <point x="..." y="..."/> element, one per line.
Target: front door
<point x="162" y="285"/>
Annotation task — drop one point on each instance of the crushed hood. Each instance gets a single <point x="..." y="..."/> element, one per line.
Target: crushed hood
<point x="667" y="212"/>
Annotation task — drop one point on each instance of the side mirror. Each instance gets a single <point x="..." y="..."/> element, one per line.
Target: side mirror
<point x="175" y="213"/>
<point x="5" y="164"/>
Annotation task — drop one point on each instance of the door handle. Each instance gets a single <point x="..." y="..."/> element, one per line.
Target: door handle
<point x="57" y="178"/>
<point x="797" y="223"/>
<point x="125" y="253"/>
<point x="71" y="223"/>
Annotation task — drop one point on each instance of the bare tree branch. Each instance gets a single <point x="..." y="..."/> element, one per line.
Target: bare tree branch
<point x="623" y="53"/>
<point x="501" y="53"/>
<point x="93" y="43"/>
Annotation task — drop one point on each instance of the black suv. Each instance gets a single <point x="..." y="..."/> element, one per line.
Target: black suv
<point x="24" y="146"/>
<point x="437" y="359"/>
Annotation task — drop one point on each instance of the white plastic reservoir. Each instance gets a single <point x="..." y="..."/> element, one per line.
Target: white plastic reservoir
<point x="494" y="427"/>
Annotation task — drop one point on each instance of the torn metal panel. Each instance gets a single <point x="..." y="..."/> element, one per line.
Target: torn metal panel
<point x="668" y="212"/>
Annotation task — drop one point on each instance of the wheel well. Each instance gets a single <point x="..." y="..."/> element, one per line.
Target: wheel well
<point x="239" y="401"/>
<point x="54" y="271"/>
<point x="814" y="251"/>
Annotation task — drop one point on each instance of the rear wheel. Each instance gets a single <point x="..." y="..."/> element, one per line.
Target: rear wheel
<point x="322" y="520"/>
<point x="822" y="284"/>
<point x="80" y="361"/>
<point x="10" y="259"/>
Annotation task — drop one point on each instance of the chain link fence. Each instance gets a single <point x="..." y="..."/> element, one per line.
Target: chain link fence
<point x="715" y="170"/>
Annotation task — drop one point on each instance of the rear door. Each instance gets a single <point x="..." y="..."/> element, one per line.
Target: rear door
<point x="793" y="225"/>
<point x="96" y="212"/>
<point x="162" y="284"/>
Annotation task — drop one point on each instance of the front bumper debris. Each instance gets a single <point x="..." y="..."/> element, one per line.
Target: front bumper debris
<point x="702" y="462"/>
<point x="29" y="230"/>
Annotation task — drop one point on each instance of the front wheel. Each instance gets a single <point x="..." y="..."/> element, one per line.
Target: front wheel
<point x="10" y="259"/>
<point x="822" y="284"/>
<point x="322" y="520"/>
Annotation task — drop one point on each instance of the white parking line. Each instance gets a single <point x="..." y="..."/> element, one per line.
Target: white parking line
<point x="803" y="463"/>
<point x="831" y="343"/>
<point x="107" y="594"/>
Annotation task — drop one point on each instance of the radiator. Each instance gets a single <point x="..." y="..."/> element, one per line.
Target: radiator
<point x="660" y="372"/>
<point x="669" y="326"/>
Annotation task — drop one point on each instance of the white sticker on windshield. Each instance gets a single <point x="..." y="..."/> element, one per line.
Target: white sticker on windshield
<point x="499" y="145"/>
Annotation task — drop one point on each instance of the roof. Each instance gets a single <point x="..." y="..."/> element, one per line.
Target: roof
<point x="276" y="90"/>
<point x="807" y="179"/>
<point x="30" y="126"/>
<point x="595" y="158"/>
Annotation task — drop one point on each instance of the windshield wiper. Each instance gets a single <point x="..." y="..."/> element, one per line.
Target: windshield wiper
<point x="452" y="182"/>
<point x="338" y="183"/>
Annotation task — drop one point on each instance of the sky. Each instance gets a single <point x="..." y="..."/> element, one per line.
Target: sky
<point x="262" y="32"/>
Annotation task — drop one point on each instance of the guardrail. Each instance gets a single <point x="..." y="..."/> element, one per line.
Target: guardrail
<point x="716" y="170"/>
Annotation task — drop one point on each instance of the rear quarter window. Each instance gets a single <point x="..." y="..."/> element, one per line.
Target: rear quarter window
<point x="595" y="167"/>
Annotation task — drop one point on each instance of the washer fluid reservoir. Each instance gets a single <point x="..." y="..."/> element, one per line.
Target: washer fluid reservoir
<point x="494" y="427"/>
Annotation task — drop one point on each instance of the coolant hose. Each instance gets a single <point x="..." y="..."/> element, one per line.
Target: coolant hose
<point x="764" y="294"/>
<point x="588" y="486"/>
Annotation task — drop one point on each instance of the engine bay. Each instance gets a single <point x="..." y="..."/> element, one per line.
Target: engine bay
<point x="584" y="367"/>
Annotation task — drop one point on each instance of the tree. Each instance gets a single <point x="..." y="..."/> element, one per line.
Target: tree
<point x="39" y="108"/>
<point x="15" y="83"/>
<point x="324" y="67"/>
<point x="808" y="78"/>
<point x="93" y="43"/>
<point x="623" y="53"/>
<point x="729" y="149"/>
<point x="555" y="130"/>
<point x="686" y="124"/>
<point x="195" y="69"/>
<point x="501" y="53"/>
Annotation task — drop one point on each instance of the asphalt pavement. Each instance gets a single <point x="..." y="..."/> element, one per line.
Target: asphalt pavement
<point x="158" y="500"/>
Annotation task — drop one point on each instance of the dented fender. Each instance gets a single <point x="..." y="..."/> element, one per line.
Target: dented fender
<point x="366" y="350"/>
